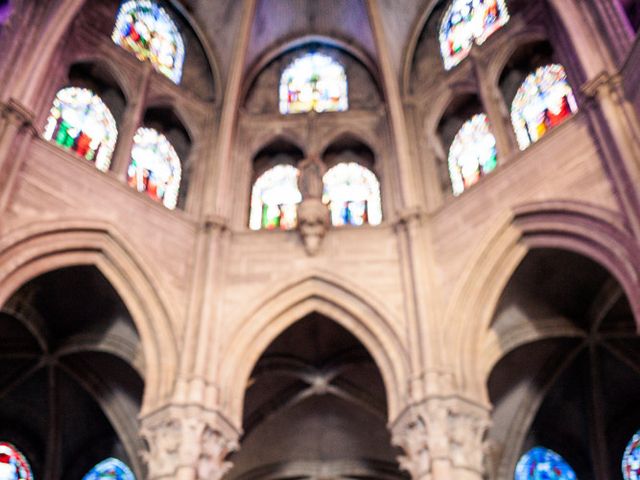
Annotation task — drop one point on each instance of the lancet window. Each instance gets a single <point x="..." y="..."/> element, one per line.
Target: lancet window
<point x="13" y="464"/>
<point x="540" y="462"/>
<point x="313" y="82"/>
<point x="274" y="199"/>
<point x="154" y="167"/>
<point x="353" y="195"/>
<point x="80" y="121"/>
<point x="111" y="468"/>
<point x="544" y="100"/>
<point x="146" y="29"/>
<point x="472" y="153"/>
<point x="631" y="459"/>
<point x="466" y="22"/>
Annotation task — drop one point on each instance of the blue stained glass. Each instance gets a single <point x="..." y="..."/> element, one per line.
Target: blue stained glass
<point x="111" y="468"/>
<point x="466" y="22"/>
<point x="540" y="463"/>
<point x="631" y="459"/>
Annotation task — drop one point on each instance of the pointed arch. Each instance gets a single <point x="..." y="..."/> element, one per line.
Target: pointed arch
<point x="39" y="248"/>
<point x="319" y="292"/>
<point x="594" y="232"/>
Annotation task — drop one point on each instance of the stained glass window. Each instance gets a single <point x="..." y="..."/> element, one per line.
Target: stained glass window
<point x="543" y="101"/>
<point x="540" y="463"/>
<point x="110" y="469"/>
<point x="472" y="153"/>
<point x="313" y="82"/>
<point x="155" y="167"/>
<point x="81" y="122"/>
<point x="466" y="21"/>
<point x="13" y="465"/>
<point x="274" y="199"/>
<point x="353" y="195"/>
<point x="148" y="31"/>
<point x="631" y="459"/>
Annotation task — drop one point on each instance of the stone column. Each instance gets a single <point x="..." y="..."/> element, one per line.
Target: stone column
<point x="442" y="439"/>
<point x="619" y="34"/>
<point x="131" y="121"/>
<point x="187" y="444"/>
<point x="16" y="132"/>
<point x="495" y="108"/>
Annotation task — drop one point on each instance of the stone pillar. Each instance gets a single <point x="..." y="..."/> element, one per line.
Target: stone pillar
<point x="131" y="121"/>
<point x="16" y="131"/>
<point x="442" y="439"/>
<point x="495" y="108"/>
<point x="187" y="443"/>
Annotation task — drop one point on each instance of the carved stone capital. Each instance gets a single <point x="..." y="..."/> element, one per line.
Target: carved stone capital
<point x="313" y="222"/>
<point x="448" y="429"/>
<point x="468" y="425"/>
<point x="179" y="438"/>
<point x="17" y="114"/>
<point x="602" y="85"/>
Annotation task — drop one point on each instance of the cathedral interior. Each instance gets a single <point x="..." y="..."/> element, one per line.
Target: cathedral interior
<point x="319" y="239"/>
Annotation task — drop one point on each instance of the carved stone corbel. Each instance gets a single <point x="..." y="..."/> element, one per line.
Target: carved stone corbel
<point x="313" y="215"/>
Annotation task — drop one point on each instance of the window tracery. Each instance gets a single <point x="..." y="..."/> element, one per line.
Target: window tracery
<point x="155" y="167"/>
<point x="313" y="82"/>
<point x="352" y="193"/>
<point x="544" y="100"/>
<point x="146" y="29"/>
<point x="631" y="459"/>
<point x="472" y="153"/>
<point x="540" y="463"/>
<point x="274" y="199"/>
<point x="110" y="468"/>
<point x="466" y="22"/>
<point x="13" y="464"/>
<point x="80" y="121"/>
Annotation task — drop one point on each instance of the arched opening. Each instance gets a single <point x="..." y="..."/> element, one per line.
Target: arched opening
<point x="568" y="379"/>
<point x="537" y="91"/>
<point x="351" y="187"/>
<point x="159" y="163"/>
<point x="274" y="191"/>
<point x="72" y="374"/>
<point x="468" y="145"/>
<point x="315" y="407"/>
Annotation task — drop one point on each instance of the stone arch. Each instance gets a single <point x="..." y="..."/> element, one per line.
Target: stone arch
<point x="39" y="248"/>
<point x="412" y="44"/>
<point x="287" y="303"/>
<point x="354" y="133"/>
<point x="579" y="227"/>
<point x="287" y="46"/>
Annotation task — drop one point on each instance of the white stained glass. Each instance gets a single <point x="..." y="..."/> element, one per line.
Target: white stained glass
<point x="274" y="198"/>
<point x="466" y="21"/>
<point x="353" y="195"/>
<point x="544" y="100"/>
<point x="80" y="121"/>
<point x="148" y="31"/>
<point x="472" y="153"/>
<point x="155" y="167"/>
<point x="313" y="82"/>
